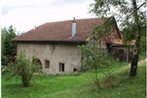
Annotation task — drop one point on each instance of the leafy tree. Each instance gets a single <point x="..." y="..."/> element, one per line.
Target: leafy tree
<point x="25" y="68"/>
<point x="8" y="47"/>
<point x="130" y="14"/>
<point x="95" y="57"/>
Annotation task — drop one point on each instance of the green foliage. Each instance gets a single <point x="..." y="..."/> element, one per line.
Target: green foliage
<point x="25" y="68"/>
<point x="143" y="43"/>
<point x="103" y="7"/>
<point x="80" y="86"/>
<point x="8" y="47"/>
<point x="132" y="18"/>
<point x="96" y="58"/>
<point x="129" y="35"/>
<point x="143" y="39"/>
<point x="8" y="71"/>
<point x="121" y="9"/>
<point x="104" y="29"/>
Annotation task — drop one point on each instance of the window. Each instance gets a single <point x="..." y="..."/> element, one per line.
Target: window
<point x="75" y="70"/>
<point x="47" y="63"/>
<point x="61" y="67"/>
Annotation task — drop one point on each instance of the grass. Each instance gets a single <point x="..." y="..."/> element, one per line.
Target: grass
<point x="79" y="85"/>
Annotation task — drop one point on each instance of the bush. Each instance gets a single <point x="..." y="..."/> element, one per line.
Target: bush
<point x="25" y="68"/>
<point x="5" y="60"/>
<point x="97" y="58"/>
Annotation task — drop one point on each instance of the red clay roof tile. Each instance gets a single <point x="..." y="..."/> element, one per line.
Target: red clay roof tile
<point x="61" y="31"/>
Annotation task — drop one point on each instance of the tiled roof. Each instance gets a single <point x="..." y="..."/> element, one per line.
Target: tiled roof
<point x="61" y="31"/>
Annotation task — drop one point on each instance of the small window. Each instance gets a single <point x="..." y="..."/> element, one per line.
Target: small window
<point x="75" y="70"/>
<point x="47" y="63"/>
<point x="61" y="67"/>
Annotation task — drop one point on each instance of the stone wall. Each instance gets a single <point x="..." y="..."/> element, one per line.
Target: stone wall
<point x="55" y="54"/>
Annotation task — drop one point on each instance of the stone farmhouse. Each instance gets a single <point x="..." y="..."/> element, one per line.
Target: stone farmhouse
<point x="55" y="43"/>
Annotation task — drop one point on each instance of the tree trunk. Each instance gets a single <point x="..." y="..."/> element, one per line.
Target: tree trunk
<point x="96" y="78"/>
<point x="26" y="84"/>
<point x="134" y="63"/>
<point x="25" y="81"/>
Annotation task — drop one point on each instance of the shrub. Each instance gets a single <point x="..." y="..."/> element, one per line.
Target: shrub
<point x="97" y="59"/>
<point x="25" y="68"/>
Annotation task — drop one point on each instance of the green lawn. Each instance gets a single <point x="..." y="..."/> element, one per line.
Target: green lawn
<point x="79" y="85"/>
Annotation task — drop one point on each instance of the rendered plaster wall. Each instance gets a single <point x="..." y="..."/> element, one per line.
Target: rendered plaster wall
<point x="55" y="53"/>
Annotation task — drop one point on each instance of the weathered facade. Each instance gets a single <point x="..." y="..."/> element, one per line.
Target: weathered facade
<point x="55" y="44"/>
<point x="61" y="58"/>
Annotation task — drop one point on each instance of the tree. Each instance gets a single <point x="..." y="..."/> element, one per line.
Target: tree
<point x="96" y="57"/>
<point x="25" y="68"/>
<point x="8" y="47"/>
<point x="130" y="14"/>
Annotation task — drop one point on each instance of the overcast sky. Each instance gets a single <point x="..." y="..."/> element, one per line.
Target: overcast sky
<point x="26" y="14"/>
